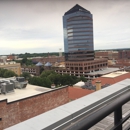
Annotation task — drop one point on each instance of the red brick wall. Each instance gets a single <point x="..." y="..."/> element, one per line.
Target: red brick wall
<point x="18" y="111"/>
<point x="77" y="92"/>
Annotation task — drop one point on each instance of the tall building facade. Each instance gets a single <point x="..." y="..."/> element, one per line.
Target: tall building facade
<point x="78" y="44"/>
<point x="78" y="34"/>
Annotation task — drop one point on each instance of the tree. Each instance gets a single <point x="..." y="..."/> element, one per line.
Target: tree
<point x="2" y="71"/>
<point x="47" y="73"/>
<point x="35" y="81"/>
<point x="9" y="73"/>
<point x="49" y="77"/>
<point x="46" y="82"/>
<point x="25" y="75"/>
<point x="57" y="80"/>
<point x="6" y="73"/>
<point x="66" y="79"/>
<point x="24" y="60"/>
<point x="83" y="79"/>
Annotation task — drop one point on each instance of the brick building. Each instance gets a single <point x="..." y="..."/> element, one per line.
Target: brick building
<point x="123" y="54"/>
<point x="34" y="70"/>
<point x="112" y="78"/>
<point x="27" y="103"/>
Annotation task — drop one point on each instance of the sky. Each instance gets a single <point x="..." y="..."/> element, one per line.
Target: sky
<point x="35" y="26"/>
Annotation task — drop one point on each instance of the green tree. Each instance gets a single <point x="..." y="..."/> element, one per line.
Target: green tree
<point x="35" y="81"/>
<point x="24" y="60"/>
<point x="6" y="73"/>
<point x="66" y="79"/>
<point x="83" y="79"/>
<point x="51" y="77"/>
<point x="47" y="73"/>
<point x="25" y="75"/>
<point x="2" y="71"/>
<point x="46" y="82"/>
<point x="57" y="80"/>
<point x="9" y="73"/>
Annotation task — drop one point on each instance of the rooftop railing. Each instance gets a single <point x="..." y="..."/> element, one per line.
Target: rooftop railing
<point x="95" y="117"/>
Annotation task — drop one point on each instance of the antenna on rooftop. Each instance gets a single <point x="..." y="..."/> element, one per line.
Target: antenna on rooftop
<point x="60" y="52"/>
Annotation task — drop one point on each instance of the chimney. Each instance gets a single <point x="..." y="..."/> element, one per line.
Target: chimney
<point x="98" y="85"/>
<point x="53" y="86"/>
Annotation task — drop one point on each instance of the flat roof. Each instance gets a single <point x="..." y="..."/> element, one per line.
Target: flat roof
<point x="103" y="71"/>
<point x="115" y="74"/>
<point x="68" y="112"/>
<point x="30" y="90"/>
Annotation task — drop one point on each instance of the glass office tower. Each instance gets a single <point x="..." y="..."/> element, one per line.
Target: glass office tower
<point x="78" y="34"/>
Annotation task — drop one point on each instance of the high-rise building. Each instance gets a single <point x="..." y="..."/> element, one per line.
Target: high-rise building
<point x="78" y="44"/>
<point x="78" y="34"/>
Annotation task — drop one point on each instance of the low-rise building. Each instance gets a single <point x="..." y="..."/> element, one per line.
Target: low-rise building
<point x="23" y="104"/>
<point x="122" y="54"/>
<point x="34" y="70"/>
<point x="83" y="68"/>
<point x="112" y="78"/>
<point x="13" y="66"/>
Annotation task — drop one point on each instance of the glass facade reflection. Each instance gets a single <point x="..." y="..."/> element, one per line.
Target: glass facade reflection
<point x="78" y="33"/>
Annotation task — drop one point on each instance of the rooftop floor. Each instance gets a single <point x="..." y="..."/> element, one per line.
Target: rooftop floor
<point x="18" y="94"/>
<point x="103" y="71"/>
<point x="115" y="74"/>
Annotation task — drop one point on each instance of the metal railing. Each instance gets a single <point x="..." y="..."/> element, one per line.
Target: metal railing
<point x="95" y="117"/>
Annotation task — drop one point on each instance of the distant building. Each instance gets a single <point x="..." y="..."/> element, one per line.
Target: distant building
<point x="51" y="59"/>
<point x="12" y="57"/>
<point x="15" y="67"/>
<point x="112" y="78"/>
<point x="78" y="43"/>
<point x="122" y="54"/>
<point x="34" y="70"/>
<point x="47" y="66"/>
<point x="78" y="34"/>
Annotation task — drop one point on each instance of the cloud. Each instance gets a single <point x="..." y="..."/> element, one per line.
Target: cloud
<point x="27" y="26"/>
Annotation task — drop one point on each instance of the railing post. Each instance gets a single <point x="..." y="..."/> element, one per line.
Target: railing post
<point x="118" y="117"/>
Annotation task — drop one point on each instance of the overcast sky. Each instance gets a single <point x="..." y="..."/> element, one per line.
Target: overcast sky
<point x="35" y="26"/>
